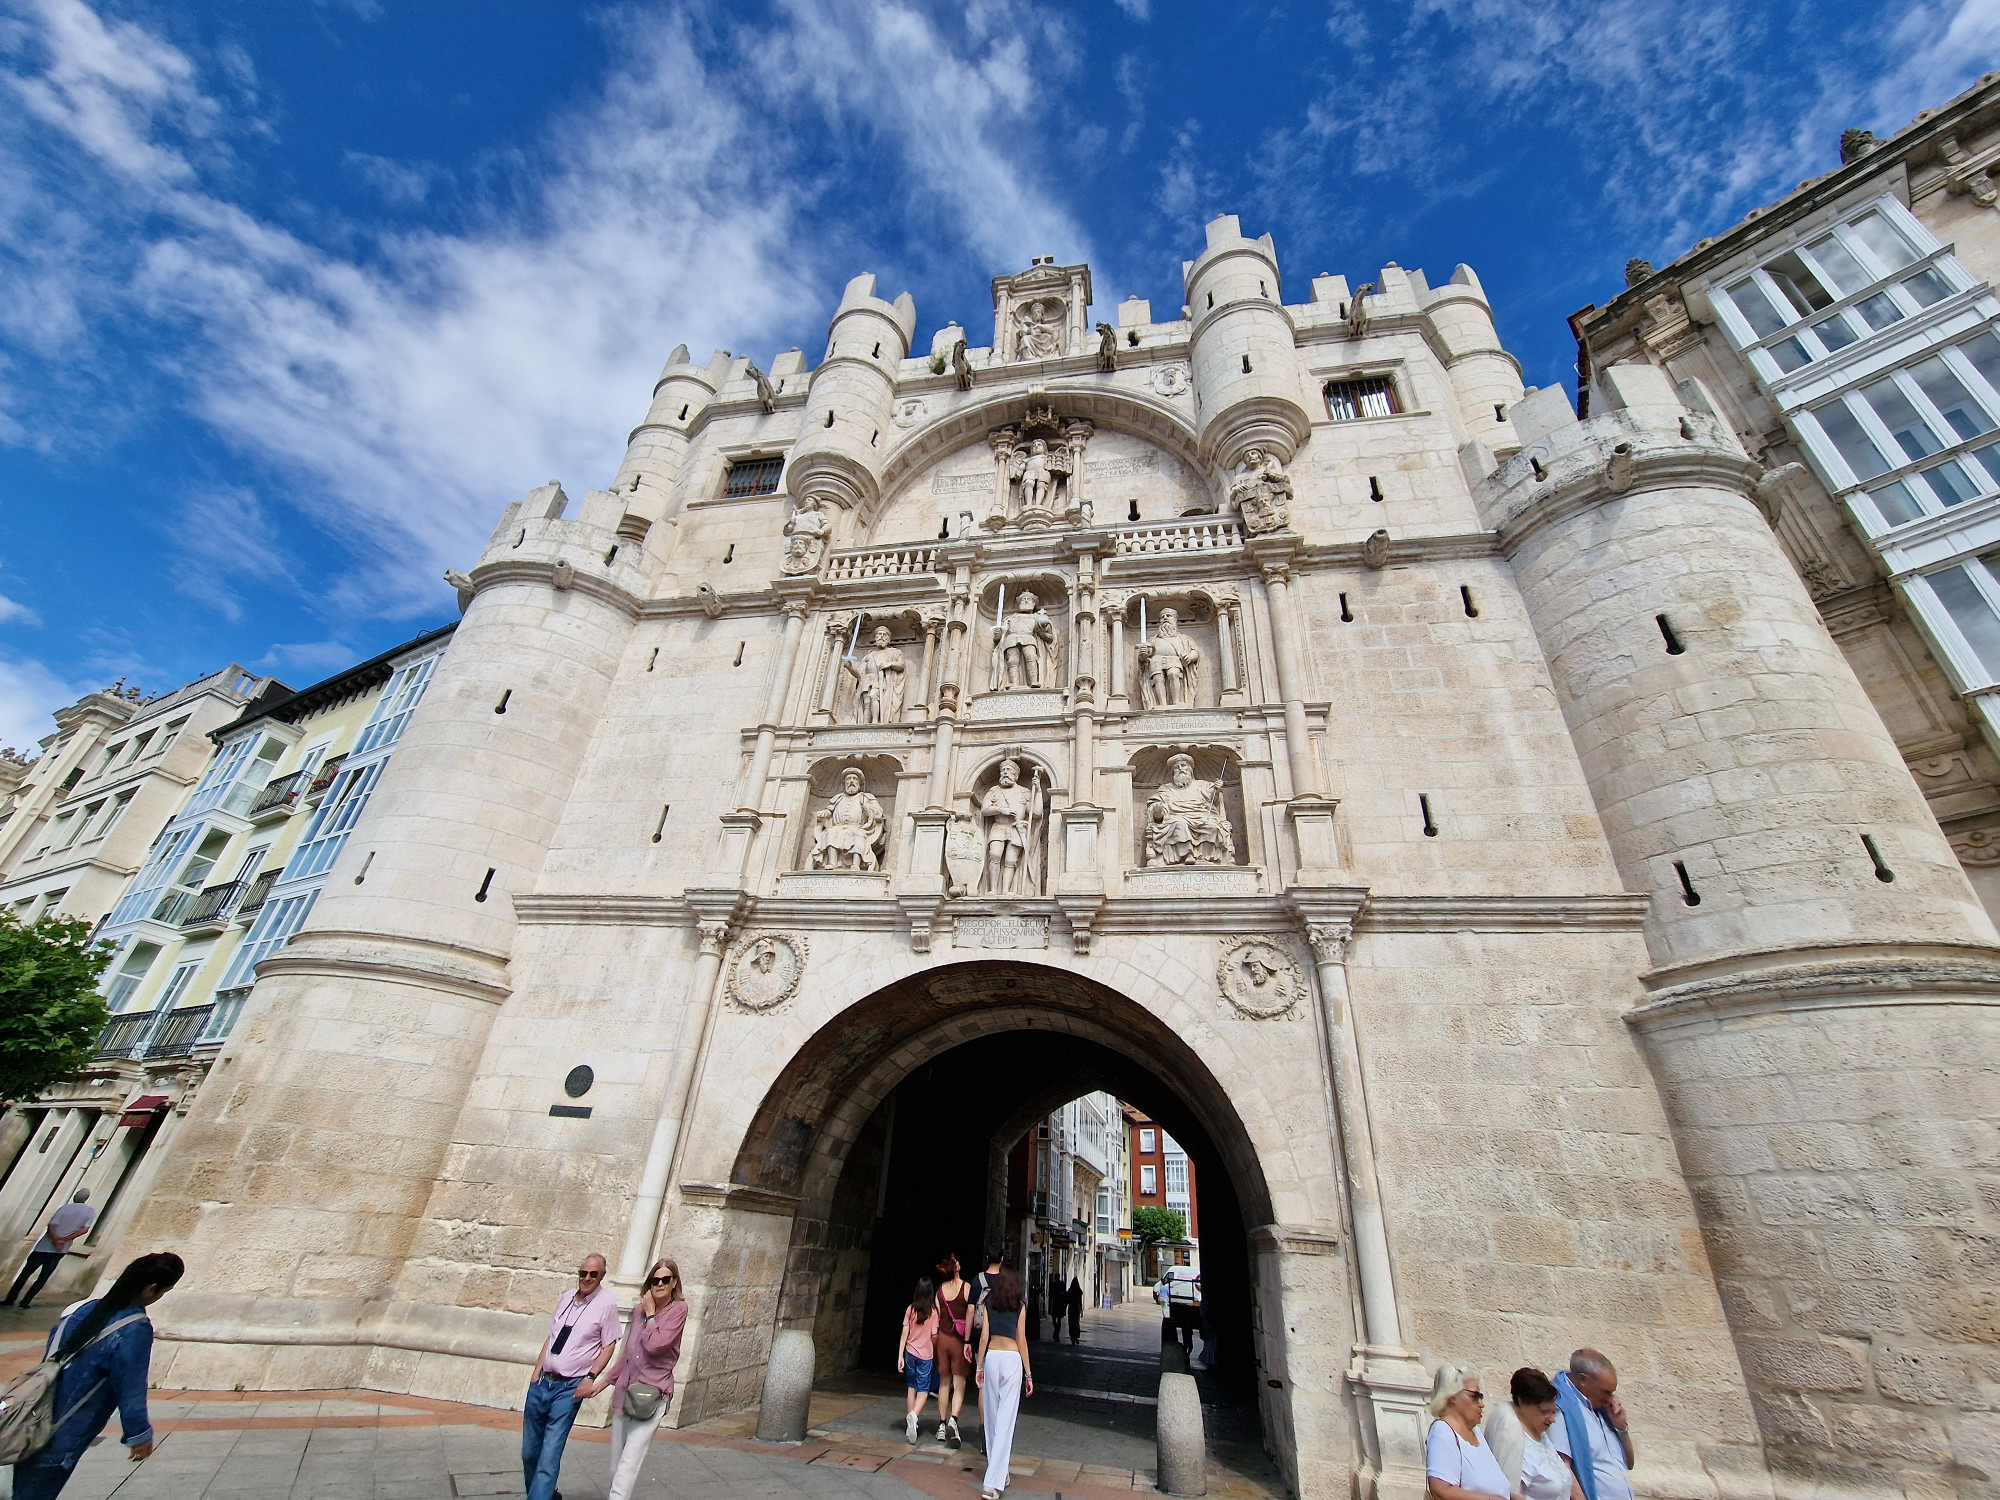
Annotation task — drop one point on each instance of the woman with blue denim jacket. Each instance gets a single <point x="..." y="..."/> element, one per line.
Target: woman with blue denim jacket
<point x="108" y="1374"/>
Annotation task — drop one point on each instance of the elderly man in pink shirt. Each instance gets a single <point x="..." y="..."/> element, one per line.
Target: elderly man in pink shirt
<point x="582" y="1335"/>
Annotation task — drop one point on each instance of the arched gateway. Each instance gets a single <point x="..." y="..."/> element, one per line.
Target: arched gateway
<point x="1447" y="816"/>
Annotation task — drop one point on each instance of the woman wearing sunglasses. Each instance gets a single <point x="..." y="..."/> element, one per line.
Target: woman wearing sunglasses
<point x="1460" y="1462"/>
<point x="643" y="1378"/>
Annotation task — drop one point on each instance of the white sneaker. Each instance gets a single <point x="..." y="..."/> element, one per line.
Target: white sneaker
<point x="989" y="1493"/>
<point x="940" y="1432"/>
<point x="910" y="1428"/>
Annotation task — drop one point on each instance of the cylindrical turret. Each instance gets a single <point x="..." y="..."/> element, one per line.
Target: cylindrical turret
<point x="654" y="451"/>
<point x="1485" y="378"/>
<point x="1823" y="965"/>
<point x="842" y="443"/>
<point x="1246" y="364"/>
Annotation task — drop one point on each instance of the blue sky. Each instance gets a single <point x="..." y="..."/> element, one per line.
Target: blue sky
<point x="294" y="297"/>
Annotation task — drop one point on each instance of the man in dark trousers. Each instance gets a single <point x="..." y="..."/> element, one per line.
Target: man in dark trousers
<point x="1075" y="1311"/>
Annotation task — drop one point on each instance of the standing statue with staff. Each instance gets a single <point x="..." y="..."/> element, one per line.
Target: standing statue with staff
<point x="1014" y="816"/>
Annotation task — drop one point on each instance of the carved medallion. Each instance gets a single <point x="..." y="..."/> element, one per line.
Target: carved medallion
<point x="1171" y="380"/>
<point x="910" y="411"/>
<point x="766" y="970"/>
<point x="1259" y="978"/>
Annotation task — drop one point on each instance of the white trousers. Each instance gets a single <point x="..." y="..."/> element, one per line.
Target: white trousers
<point x="629" y="1441"/>
<point x="1002" y="1405"/>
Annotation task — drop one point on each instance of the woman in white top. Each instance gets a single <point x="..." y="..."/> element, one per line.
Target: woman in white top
<point x="1518" y="1434"/>
<point x="1461" y="1466"/>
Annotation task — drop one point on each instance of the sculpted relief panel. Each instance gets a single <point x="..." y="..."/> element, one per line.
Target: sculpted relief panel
<point x="1189" y="808"/>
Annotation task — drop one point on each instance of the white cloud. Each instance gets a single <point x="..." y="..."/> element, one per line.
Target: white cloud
<point x="29" y="693"/>
<point x="13" y="612"/>
<point x="405" y="395"/>
<point x="1138" y="10"/>
<point x="403" y="183"/>
<point x="221" y="537"/>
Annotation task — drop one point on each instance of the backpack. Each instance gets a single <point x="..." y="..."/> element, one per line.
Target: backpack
<point x="28" y="1419"/>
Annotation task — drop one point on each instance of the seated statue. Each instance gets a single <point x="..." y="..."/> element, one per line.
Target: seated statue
<point x="1185" y="824"/>
<point x="849" y="831"/>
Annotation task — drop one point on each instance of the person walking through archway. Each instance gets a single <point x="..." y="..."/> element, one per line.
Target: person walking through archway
<point x="954" y="1314"/>
<point x="916" y="1355"/>
<point x="642" y="1377"/>
<point x="107" y="1346"/>
<point x="1003" y="1376"/>
<point x="1074" y="1303"/>
<point x="982" y="1288"/>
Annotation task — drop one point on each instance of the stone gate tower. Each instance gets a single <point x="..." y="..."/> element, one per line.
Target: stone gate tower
<point x="1450" y="818"/>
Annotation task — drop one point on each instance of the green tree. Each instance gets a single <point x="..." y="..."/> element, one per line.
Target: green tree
<point x="50" y="1012"/>
<point x="1151" y="1224"/>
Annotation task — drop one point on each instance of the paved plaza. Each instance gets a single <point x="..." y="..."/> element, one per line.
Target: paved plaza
<point x="1087" y="1434"/>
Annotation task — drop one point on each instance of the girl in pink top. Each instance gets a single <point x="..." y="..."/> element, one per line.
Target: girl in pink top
<point x="647" y="1356"/>
<point x="916" y="1354"/>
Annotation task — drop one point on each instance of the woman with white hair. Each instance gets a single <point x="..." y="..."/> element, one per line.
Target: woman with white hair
<point x="1460" y="1464"/>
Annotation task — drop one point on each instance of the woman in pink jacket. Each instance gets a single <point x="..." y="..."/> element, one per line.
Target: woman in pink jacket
<point x="643" y="1377"/>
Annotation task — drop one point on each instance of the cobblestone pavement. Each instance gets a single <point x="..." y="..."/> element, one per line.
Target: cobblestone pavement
<point x="355" y="1444"/>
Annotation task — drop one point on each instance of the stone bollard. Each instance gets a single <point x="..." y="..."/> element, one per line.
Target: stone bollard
<point x="1182" y="1445"/>
<point x="788" y="1385"/>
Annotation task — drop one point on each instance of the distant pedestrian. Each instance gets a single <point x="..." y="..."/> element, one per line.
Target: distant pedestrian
<point x="1518" y="1433"/>
<point x="1460" y="1466"/>
<point x="1004" y="1377"/>
<point x="916" y="1355"/>
<point x="953" y="1363"/>
<point x="109" y="1345"/>
<point x="1074" y="1301"/>
<point x="643" y="1374"/>
<point x="583" y="1335"/>
<point x="67" y="1225"/>
<point x="1590" y="1432"/>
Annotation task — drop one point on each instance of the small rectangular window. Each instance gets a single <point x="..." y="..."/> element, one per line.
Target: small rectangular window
<point x="1145" y="1142"/>
<point x="1884" y="241"/>
<point x="1350" y="400"/>
<point x="753" y="476"/>
<point x="1149" y="1181"/>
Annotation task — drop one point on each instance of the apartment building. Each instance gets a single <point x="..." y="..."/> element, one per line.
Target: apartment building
<point x="227" y="881"/>
<point x="1162" y="1176"/>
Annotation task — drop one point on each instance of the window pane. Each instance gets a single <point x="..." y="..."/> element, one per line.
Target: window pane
<point x="1834" y="332"/>
<point x="1988" y="458"/>
<point x="1756" y="308"/>
<point x="1972" y="614"/>
<point x="1790" y="354"/>
<point x="1896" y="504"/>
<point x="1927" y="287"/>
<point x="1885" y="240"/>
<point x="1833" y="259"/>
<point x="1879" y="311"/>
<point x="1838" y="423"/>
<point x="1899" y="414"/>
<point x="1798" y="284"/>
<point x="1984" y="352"/>
<point x="1949" y="395"/>
<point x="1949" y="483"/>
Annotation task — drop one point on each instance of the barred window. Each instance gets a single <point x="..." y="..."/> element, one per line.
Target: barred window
<point x="1348" y="400"/>
<point x="753" y="476"/>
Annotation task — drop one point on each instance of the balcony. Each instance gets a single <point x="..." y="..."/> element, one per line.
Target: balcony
<point x="260" y="888"/>
<point x="280" y="798"/>
<point x="323" y="777"/>
<point x="174" y="905"/>
<point x="182" y="1028"/>
<point x="213" y="909"/>
<point x="125" y="1037"/>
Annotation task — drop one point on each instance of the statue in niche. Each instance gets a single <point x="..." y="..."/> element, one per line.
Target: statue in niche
<point x="1261" y="492"/>
<point x="1022" y="644"/>
<point x="1015" y="818"/>
<point x="1038" y="329"/>
<point x="964" y="854"/>
<point x="848" y="833"/>
<point x="879" y="676"/>
<point x="805" y="537"/>
<point x="1037" y="468"/>
<point x="1185" y="823"/>
<point x="1169" y="666"/>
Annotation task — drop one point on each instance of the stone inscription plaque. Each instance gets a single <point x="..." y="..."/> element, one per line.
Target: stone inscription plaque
<point x="1000" y="932"/>
<point x="1015" y="705"/>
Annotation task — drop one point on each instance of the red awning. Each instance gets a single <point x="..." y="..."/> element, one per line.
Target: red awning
<point x="139" y="1113"/>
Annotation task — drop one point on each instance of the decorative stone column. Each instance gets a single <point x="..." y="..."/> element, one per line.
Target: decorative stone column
<point x="1226" y="606"/>
<point x="933" y="624"/>
<point x="1002" y="441"/>
<point x="840" y="629"/>
<point x="1114" y="608"/>
<point x="697" y="1018"/>
<point x="1310" y="811"/>
<point x="1077" y="435"/>
<point x="774" y="706"/>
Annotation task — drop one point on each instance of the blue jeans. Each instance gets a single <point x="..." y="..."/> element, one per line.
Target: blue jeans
<point x="34" y="1481"/>
<point x="40" y="1263"/>
<point x="545" y="1424"/>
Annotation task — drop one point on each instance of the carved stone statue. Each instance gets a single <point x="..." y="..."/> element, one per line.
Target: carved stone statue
<point x="1015" y="816"/>
<point x="1169" y="666"/>
<point x="1038" y="329"/>
<point x="964" y="854"/>
<point x="961" y="366"/>
<point x="848" y="833"/>
<point x="1107" y="347"/>
<point x="1261" y="492"/>
<point x="1037" y="468"/>
<point x="767" y="398"/>
<point x="879" y="676"/>
<point x="1022" y="645"/>
<point x="805" y="537"/>
<point x="1185" y="824"/>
